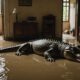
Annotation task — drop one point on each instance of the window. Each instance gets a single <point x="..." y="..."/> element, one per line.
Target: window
<point x="25" y="2"/>
<point x="66" y="6"/>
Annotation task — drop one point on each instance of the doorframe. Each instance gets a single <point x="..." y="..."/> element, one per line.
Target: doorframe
<point x="78" y="19"/>
<point x="2" y="14"/>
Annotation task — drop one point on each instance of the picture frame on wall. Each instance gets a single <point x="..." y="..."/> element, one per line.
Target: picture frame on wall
<point x="25" y="2"/>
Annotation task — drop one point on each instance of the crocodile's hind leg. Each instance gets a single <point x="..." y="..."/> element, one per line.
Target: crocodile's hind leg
<point x="24" y="48"/>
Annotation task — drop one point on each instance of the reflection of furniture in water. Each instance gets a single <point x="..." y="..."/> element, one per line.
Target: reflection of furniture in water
<point x="67" y="38"/>
<point x="26" y="29"/>
<point x="48" y="26"/>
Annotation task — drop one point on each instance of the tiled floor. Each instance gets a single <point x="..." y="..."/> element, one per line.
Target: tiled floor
<point x="34" y="67"/>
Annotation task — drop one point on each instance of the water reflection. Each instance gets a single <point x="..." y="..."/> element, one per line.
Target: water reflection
<point x="67" y="76"/>
<point x="3" y="69"/>
<point x="63" y="65"/>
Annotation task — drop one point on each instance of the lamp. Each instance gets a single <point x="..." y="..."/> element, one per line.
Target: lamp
<point x="15" y="12"/>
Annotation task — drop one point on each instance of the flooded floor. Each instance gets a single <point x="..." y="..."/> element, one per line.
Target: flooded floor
<point x="34" y="67"/>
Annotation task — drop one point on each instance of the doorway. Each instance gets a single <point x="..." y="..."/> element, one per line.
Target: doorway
<point x="69" y="21"/>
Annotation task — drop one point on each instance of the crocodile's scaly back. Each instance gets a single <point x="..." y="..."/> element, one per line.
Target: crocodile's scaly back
<point x="39" y="46"/>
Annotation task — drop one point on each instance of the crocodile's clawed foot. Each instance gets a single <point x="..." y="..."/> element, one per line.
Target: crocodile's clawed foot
<point x="50" y="59"/>
<point x="18" y="53"/>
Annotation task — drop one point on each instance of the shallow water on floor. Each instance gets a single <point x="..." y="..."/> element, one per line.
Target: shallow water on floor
<point x="34" y="67"/>
<point x="3" y="69"/>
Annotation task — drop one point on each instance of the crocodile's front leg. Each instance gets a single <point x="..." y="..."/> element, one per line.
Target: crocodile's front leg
<point x="18" y="52"/>
<point x="48" y="56"/>
<point x="25" y="48"/>
<point x="52" y="52"/>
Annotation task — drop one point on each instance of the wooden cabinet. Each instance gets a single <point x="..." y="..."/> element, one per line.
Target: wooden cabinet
<point x="25" y="30"/>
<point x="29" y="29"/>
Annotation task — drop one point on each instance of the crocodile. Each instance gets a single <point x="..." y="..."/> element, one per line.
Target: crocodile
<point x="49" y="49"/>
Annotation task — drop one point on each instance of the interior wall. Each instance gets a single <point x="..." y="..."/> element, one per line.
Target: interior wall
<point x="1" y="24"/>
<point x="0" y="19"/>
<point x="38" y="9"/>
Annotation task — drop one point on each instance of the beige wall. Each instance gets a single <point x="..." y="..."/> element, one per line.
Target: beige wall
<point x="39" y="8"/>
<point x="0" y="24"/>
<point x="9" y="18"/>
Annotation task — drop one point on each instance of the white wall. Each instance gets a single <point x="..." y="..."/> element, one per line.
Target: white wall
<point x="72" y="16"/>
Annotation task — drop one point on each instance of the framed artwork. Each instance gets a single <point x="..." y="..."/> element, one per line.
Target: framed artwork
<point x="25" y="2"/>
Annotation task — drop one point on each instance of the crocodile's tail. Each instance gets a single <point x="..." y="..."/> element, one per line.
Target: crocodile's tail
<point x="9" y="49"/>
